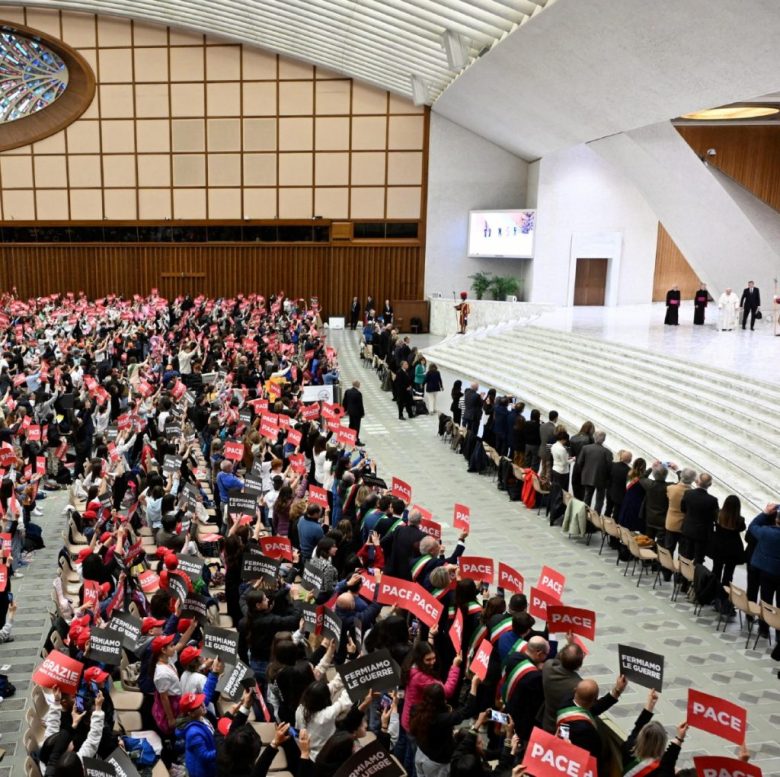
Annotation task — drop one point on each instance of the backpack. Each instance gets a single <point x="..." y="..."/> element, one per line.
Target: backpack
<point x="705" y="585"/>
<point x="6" y="687"/>
<point x="34" y="537"/>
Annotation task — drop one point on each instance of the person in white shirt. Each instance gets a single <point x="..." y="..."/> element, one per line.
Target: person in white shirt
<point x="320" y="705"/>
<point x="728" y="305"/>
<point x="186" y="356"/>
<point x="560" y="460"/>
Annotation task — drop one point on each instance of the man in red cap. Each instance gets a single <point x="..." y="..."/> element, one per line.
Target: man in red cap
<point x="200" y="747"/>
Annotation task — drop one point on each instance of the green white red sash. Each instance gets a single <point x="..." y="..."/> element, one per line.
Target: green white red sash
<point x="501" y="628"/>
<point x="474" y="608"/>
<point x="519" y="671"/>
<point x="419" y="565"/>
<point x="476" y="638"/>
<point x="573" y="714"/>
<point x="642" y="768"/>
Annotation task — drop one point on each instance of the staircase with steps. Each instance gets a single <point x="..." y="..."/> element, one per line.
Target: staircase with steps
<point x="656" y="406"/>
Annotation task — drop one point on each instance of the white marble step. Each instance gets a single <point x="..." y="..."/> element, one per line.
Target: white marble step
<point x="650" y="435"/>
<point x="759" y="436"/>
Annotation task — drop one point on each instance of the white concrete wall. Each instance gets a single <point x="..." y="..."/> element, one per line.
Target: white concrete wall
<point x="467" y="172"/>
<point x="724" y="242"/>
<point x="586" y="207"/>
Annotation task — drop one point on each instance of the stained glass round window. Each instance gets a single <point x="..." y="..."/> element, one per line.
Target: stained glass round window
<point x="32" y="76"/>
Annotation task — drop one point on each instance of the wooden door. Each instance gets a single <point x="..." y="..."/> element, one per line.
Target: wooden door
<point x="590" y="283"/>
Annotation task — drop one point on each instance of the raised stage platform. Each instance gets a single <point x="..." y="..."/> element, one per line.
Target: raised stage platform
<point x="693" y="395"/>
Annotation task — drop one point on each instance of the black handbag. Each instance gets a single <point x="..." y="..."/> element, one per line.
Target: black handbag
<point x="759" y="315"/>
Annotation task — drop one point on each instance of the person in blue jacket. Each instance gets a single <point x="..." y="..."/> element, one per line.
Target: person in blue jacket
<point x="765" y="529"/>
<point x="200" y="744"/>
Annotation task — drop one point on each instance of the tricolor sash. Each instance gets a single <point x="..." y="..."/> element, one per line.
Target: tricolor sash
<point x="419" y="565"/>
<point x="474" y="608"/>
<point x="642" y="768"/>
<point x="476" y="638"/>
<point x="501" y="628"/>
<point x="519" y="671"/>
<point x="573" y="714"/>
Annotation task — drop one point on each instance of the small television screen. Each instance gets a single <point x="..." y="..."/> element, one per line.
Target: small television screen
<point x="507" y="233"/>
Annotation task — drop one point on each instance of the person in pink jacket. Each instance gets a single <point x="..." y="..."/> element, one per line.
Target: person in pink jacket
<point x="419" y="671"/>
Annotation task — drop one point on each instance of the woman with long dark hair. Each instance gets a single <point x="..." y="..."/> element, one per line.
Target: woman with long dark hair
<point x="727" y="550"/>
<point x="457" y="398"/>
<point x="321" y="703"/>
<point x="431" y="724"/>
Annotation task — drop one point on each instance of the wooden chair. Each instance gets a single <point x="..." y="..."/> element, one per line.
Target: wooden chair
<point x="643" y="556"/>
<point x="31" y="769"/>
<point x="771" y="616"/>
<point x="611" y="529"/>
<point x="686" y="571"/>
<point x="624" y="535"/>
<point x="594" y="519"/>
<point x="540" y="492"/>
<point x="738" y="598"/>
<point x="668" y="562"/>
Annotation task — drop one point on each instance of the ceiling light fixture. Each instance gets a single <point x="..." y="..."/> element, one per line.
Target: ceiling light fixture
<point x="732" y="113"/>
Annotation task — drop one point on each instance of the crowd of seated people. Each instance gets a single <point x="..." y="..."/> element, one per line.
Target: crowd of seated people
<point x="226" y="546"/>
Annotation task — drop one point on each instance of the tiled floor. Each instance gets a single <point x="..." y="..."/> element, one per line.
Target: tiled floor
<point x="695" y="654"/>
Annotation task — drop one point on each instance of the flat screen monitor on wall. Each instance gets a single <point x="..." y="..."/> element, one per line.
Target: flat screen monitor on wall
<point x="502" y="233"/>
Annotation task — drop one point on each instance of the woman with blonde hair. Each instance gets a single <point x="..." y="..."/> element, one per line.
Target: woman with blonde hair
<point x="645" y="752"/>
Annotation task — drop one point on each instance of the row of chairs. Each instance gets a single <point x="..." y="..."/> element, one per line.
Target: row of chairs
<point x="682" y="570"/>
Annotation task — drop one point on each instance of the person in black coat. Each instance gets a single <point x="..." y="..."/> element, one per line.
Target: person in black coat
<point x="354" y="313"/>
<point x="672" y="306"/>
<point x="726" y="548"/>
<point x="352" y="402"/>
<point x="472" y="408"/>
<point x="618" y="477"/>
<point x="750" y="302"/>
<point x="700" y="299"/>
<point x="402" y="387"/>
<point x="406" y="546"/>
<point x="701" y="514"/>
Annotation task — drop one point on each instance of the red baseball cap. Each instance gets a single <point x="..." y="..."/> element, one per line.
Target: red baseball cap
<point x="162" y="552"/>
<point x="90" y="514"/>
<point x="95" y="675"/>
<point x="189" y="653"/>
<point x="191" y="701"/>
<point x="170" y="561"/>
<point x="105" y="589"/>
<point x="147" y="624"/>
<point x="224" y="726"/>
<point x="81" y="637"/>
<point x="84" y="620"/>
<point x="105" y="537"/>
<point x="83" y="554"/>
<point x="158" y="643"/>
<point x="183" y="625"/>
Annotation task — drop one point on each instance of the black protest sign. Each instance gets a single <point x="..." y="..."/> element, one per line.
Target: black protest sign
<point x="331" y="624"/>
<point x="240" y="504"/>
<point x="253" y="485"/>
<point x="220" y="642"/>
<point x="105" y="646"/>
<point x="111" y="433"/>
<point x="192" y="566"/>
<point x="312" y="578"/>
<point x="177" y="584"/>
<point x="195" y="606"/>
<point x="66" y="401"/>
<point x="246" y="415"/>
<point x="122" y="764"/>
<point x="371" y="760"/>
<point x="255" y="566"/>
<point x="97" y="767"/>
<point x="374" y="672"/>
<point x="192" y="495"/>
<point x="312" y="617"/>
<point x="642" y="667"/>
<point x="172" y="430"/>
<point x="172" y="463"/>
<point x="234" y="679"/>
<point x="127" y="626"/>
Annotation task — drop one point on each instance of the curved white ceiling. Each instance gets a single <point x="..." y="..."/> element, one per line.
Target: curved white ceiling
<point x="383" y="42"/>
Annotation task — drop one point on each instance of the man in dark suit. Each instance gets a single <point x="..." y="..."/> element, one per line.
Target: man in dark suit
<point x="354" y="312"/>
<point x="560" y="677"/>
<point x="595" y="463"/>
<point x="352" y="402"/>
<point x="749" y="302"/>
<point x="701" y="515"/>
<point x="406" y="546"/>
<point x="402" y="388"/>
<point x="578" y="714"/>
<point x="523" y="689"/>
<point x="618" y="478"/>
<point x="547" y="437"/>
<point x="472" y="408"/>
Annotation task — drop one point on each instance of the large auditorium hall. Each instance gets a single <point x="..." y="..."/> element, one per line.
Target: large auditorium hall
<point x="389" y="388"/>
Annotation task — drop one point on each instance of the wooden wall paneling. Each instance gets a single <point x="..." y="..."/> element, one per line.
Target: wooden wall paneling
<point x="749" y="154"/>
<point x="334" y="273"/>
<point x="671" y="268"/>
